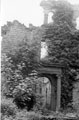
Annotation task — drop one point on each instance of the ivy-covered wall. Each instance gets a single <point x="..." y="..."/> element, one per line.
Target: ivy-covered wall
<point x="76" y="95"/>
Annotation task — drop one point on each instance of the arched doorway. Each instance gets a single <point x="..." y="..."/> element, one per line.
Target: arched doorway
<point x="48" y="90"/>
<point x="45" y="90"/>
<point x="53" y="73"/>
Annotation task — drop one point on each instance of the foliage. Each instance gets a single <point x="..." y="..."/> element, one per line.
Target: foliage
<point x="10" y="112"/>
<point x="19" y="63"/>
<point x="23" y="90"/>
<point x="17" y="36"/>
<point x="63" y="12"/>
<point x="24" y="96"/>
<point x="19" y="56"/>
<point x="8" y="108"/>
<point x="6" y="75"/>
<point x="15" y="85"/>
<point x="23" y="115"/>
<point x="25" y="100"/>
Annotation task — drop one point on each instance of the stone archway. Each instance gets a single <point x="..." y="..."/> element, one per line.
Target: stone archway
<point x="53" y="73"/>
<point x="53" y="96"/>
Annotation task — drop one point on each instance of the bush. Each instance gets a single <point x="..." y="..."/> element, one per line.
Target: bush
<point x="24" y="115"/>
<point x="24" y="99"/>
<point x="8" y="108"/>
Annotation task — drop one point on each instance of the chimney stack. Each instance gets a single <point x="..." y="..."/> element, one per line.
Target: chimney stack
<point x="44" y="5"/>
<point x="46" y="16"/>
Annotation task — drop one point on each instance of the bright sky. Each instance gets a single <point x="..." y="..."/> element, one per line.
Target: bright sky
<point x="25" y="11"/>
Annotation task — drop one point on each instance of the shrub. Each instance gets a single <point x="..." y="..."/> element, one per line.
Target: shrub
<point x="24" y="115"/>
<point x="24" y="99"/>
<point x="8" y="108"/>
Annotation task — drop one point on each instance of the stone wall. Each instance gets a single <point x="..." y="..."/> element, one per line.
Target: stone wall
<point x="76" y="95"/>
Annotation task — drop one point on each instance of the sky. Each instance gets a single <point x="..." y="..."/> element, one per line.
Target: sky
<point x="25" y="11"/>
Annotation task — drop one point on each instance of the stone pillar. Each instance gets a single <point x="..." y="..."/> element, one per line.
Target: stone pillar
<point x="53" y="101"/>
<point x="46" y="12"/>
<point x="58" y="93"/>
<point x="45" y="18"/>
<point x="53" y="93"/>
